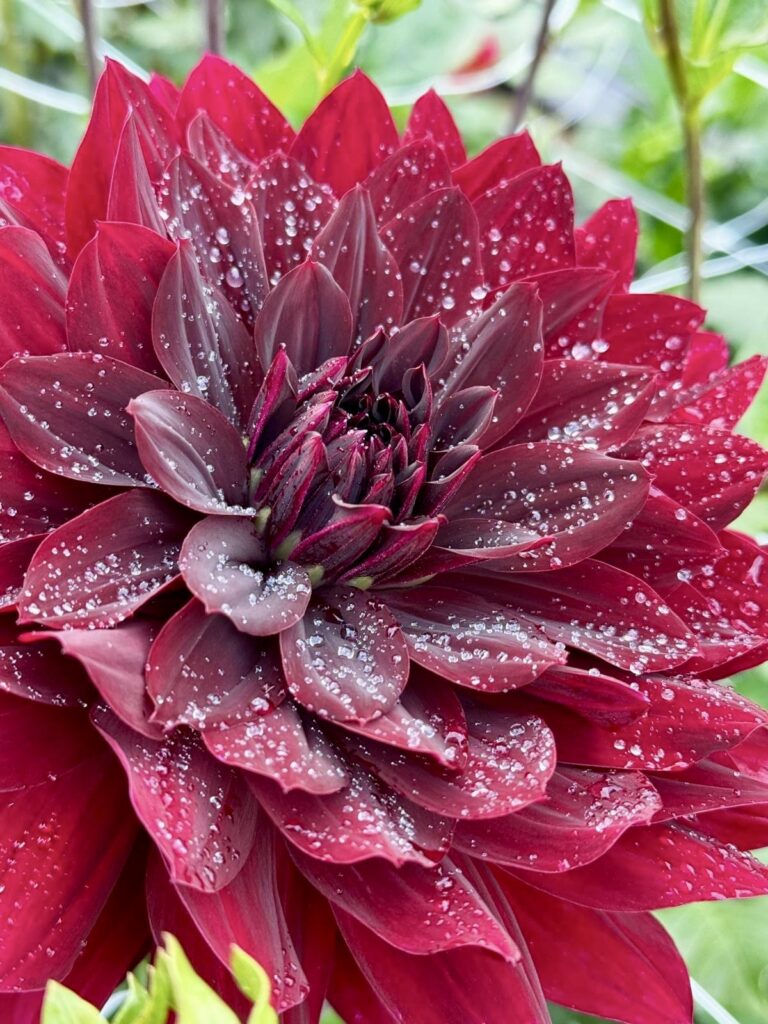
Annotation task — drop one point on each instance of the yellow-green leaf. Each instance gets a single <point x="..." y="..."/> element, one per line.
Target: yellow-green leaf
<point x="253" y="982"/>
<point x="193" y="1000"/>
<point x="64" y="1007"/>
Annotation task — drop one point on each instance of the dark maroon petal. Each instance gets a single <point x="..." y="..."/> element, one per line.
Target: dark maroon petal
<point x="658" y="866"/>
<point x="191" y="450"/>
<point x="468" y="639"/>
<point x="412" y="172"/>
<point x="422" y="341"/>
<point x="113" y="285"/>
<point x="222" y="228"/>
<point x="597" y="608"/>
<point x="201" y="671"/>
<point x="197" y="811"/>
<point x="38" y="673"/>
<point x="427" y="719"/>
<point x="579" y="500"/>
<point x="399" y="546"/>
<point x="526" y="225"/>
<point x="598" y="405"/>
<point x="350" y="248"/>
<point x="416" y="909"/>
<point x="574" y="299"/>
<point x="582" y="815"/>
<point x="346" y="658"/>
<point x="502" y="348"/>
<point x="14" y="559"/>
<point x="236" y="105"/>
<point x="32" y="190"/>
<point x="32" y="292"/>
<point x="348" y="992"/>
<point x="609" y="240"/>
<point x="291" y="209"/>
<point x="686" y="720"/>
<point x="623" y="965"/>
<point x="501" y="161"/>
<point x="331" y="145"/>
<point x="226" y="917"/>
<point x="39" y="742"/>
<point x="648" y="330"/>
<point x="67" y="413"/>
<point x="201" y="343"/>
<point x="35" y="502"/>
<point x="723" y="399"/>
<point x="431" y="118"/>
<point x="114" y="661"/>
<point x="510" y="759"/>
<point x="308" y="315"/>
<point x="132" y="198"/>
<point x="289" y="485"/>
<point x="363" y="820"/>
<point x="119" y="93"/>
<point x="99" y="568"/>
<point x="221" y="562"/>
<point x="713" y="473"/>
<point x="282" y="746"/>
<point x="62" y="852"/>
<point x="458" y="985"/>
<point x="348" y="534"/>
<point x="435" y="242"/>
<point x="713" y="784"/>
<point x="590" y="694"/>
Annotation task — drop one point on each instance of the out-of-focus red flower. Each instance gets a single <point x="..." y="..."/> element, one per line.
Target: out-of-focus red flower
<point x="365" y="560"/>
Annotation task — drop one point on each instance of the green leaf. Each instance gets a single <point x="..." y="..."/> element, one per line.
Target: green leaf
<point x="253" y="982"/>
<point x="193" y="1000"/>
<point x="146" y="1007"/>
<point x="383" y="11"/>
<point x="64" y="1007"/>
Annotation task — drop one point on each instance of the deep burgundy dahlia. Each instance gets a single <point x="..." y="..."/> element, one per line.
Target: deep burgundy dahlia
<point x="366" y="582"/>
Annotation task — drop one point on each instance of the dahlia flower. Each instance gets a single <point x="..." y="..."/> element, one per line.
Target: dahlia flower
<point x="367" y="587"/>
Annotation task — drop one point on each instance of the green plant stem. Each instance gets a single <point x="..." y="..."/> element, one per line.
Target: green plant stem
<point x="525" y="92"/>
<point x="90" y="33"/>
<point x="345" y="51"/>
<point x="691" y="126"/>
<point x="214" y="26"/>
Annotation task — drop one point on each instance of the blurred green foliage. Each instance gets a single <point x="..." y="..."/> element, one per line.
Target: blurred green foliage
<point x="602" y="103"/>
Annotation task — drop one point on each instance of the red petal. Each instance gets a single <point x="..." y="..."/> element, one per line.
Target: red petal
<point x="203" y="672"/>
<point x="510" y="759"/>
<point x="609" y="240"/>
<point x="191" y="451"/>
<point x="308" y="315"/>
<point x="365" y="819"/>
<point x="38" y="674"/>
<point x="713" y="784"/>
<point x="415" y="909"/>
<point x="707" y="354"/>
<point x="622" y="965"/>
<point x="197" y="811"/>
<point x="62" y="852"/>
<point x="435" y="242"/>
<point x="580" y="501"/>
<point x="574" y="299"/>
<point x="32" y="295"/>
<point x="236" y="105"/>
<point x="227" y="917"/>
<point x="412" y="172"/>
<point x="216" y="151"/>
<point x="14" y="559"/>
<point x="469" y="639"/>
<point x="431" y="118"/>
<point x="66" y="413"/>
<point x="291" y="209"/>
<point x="589" y="694"/>
<point x="35" y="502"/>
<point x="113" y="285"/>
<point x="458" y="985"/>
<point x="345" y="659"/>
<point x="332" y="146"/>
<point x="648" y="330"/>
<point x="282" y="746"/>
<point x="658" y="866"/>
<point x="498" y="163"/>
<point x="582" y="815"/>
<point x="201" y="343"/>
<point x="222" y="228"/>
<point x="220" y="562"/>
<point x="598" y="405"/>
<point x="119" y="93"/>
<point x="686" y="720"/>
<point x="596" y="608"/>
<point x="723" y="399"/>
<point x="501" y="348"/>
<point x="526" y="225"/>
<point x="349" y="246"/>
<point x="132" y="198"/>
<point x="32" y="194"/>
<point x="99" y="568"/>
<point x="713" y="473"/>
